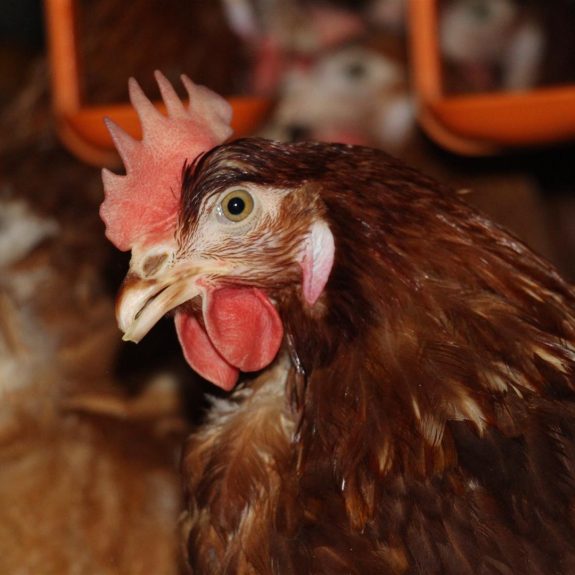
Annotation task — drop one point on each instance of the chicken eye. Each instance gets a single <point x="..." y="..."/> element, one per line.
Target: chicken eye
<point x="237" y="205"/>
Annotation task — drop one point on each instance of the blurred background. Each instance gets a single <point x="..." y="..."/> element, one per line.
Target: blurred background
<point x="330" y="70"/>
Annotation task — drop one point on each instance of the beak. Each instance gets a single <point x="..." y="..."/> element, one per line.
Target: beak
<point x="143" y="301"/>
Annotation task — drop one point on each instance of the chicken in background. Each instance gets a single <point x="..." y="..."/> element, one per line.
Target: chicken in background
<point x="359" y="94"/>
<point x="283" y="36"/>
<point x="490" y="45"/>
<point x="171" y="34"/>
<point x="85" y="487"/>
<point x="356" y="93"/>
<point x="401" y="369"/>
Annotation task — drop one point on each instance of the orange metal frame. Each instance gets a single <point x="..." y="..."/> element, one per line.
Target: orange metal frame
<point x="485" y="123"/>
<point x="81" y="127"/>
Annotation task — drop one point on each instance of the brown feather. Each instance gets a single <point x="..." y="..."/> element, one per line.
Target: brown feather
<point x="432" y="423"/>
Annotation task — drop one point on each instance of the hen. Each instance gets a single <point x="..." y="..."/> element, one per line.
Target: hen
<point x="86" y="474"/>
<point x="407" y="404"/>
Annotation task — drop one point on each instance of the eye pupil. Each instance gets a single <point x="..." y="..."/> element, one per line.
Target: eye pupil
<point x="236" y="206"/>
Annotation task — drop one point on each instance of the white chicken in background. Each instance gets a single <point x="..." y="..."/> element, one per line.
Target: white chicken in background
<point x="490" y="45"/>
<point x="354" y="95"/>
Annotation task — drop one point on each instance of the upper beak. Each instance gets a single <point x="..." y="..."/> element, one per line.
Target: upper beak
<point x="143" y="301"/>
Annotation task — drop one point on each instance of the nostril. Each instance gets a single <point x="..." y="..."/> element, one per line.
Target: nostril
<point x="153" y="264"/>
<point x="297" y="132"/>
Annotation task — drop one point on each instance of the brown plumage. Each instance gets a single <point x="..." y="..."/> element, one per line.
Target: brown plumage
<point x="411" y="407"/>
<point x="431" y="427"/>
<point x="86" y="486"/>
<point x="88" y="475"/>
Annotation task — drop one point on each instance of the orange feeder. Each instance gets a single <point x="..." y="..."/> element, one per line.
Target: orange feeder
<point x="81" y="127"/>
<point x="486" y="123"/>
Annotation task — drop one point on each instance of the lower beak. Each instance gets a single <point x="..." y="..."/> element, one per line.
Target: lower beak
<point x="142" y="302"/>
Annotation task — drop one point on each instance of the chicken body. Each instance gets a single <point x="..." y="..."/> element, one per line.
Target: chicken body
<point x="421" y="416"/>
<point x="84" y="490"/>
<point x="418" y="416"/>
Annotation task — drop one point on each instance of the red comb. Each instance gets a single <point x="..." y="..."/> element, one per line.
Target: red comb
<point x="142" y="206"/>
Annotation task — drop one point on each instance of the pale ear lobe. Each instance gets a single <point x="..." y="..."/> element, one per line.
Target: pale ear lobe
<point x="317" y="260"/>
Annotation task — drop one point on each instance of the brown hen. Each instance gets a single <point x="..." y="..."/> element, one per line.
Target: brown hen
<point x="409" y="399"/>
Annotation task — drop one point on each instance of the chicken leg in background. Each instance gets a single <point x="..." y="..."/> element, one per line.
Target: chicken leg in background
<point x="359" y="94"/>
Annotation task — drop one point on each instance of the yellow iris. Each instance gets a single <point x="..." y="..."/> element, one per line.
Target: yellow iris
<point x="237" y="205"/>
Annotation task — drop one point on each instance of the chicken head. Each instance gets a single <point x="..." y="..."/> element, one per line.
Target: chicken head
<point x="226" y="245"/>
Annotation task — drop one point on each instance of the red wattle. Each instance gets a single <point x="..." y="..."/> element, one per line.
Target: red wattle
<point x="243" y="332"/>
<point x="244" y="326"/>
<point x="201" y="354"/>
